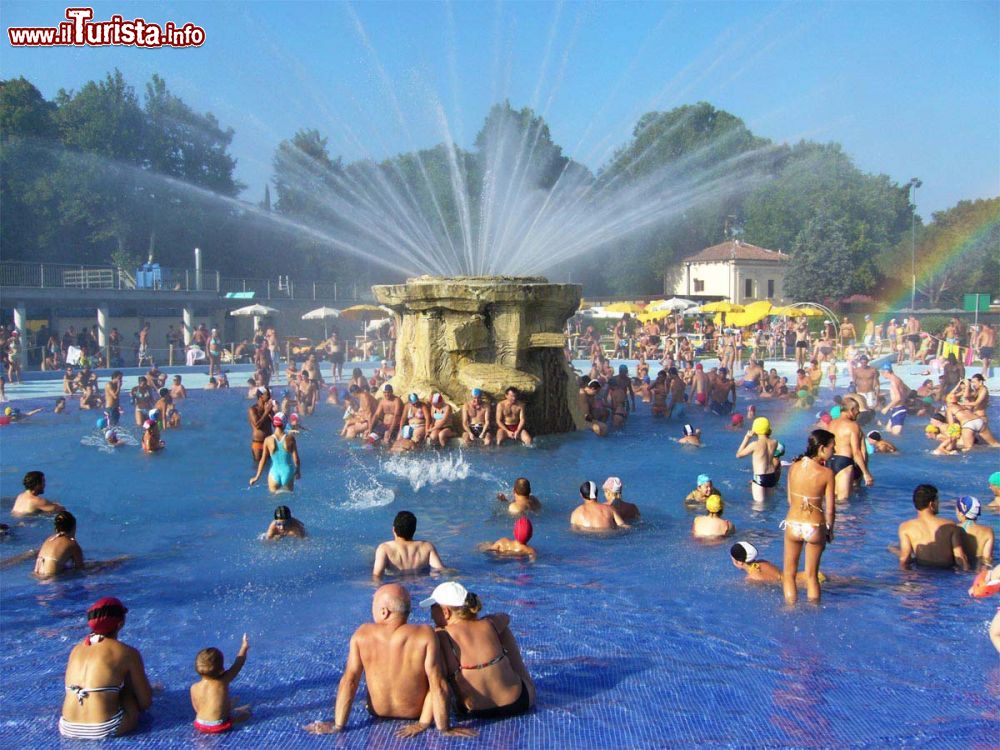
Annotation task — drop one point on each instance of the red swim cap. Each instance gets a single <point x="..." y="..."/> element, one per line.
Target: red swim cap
<point x="106" y="616"/>
<point x="736" y="420"/>
<point x="523" y="530"/>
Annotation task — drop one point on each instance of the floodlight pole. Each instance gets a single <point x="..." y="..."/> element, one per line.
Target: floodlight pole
<point x="914" y="184"/>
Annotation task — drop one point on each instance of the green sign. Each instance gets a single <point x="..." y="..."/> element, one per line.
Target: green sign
<point x="976" y="303"/>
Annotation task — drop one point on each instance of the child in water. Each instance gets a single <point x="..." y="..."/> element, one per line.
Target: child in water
<point x="518" y="546"/>
<point x="214" y="713"/>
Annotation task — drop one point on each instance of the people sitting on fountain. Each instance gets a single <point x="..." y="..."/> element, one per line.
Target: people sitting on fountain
<point x="592" y="515"/>
<point x="403" y="554"/>
<point x="595" y="411"/>
<point x="511" y="419"/>
<point x="440" y="426"/>
<point x="418" y="416"/>
<point x="358" y="411"/>
<point x="516" y="547"/>
<point x="613" y="499"/>
<point x="476" y="420"/>
<point x="523" y="500"/>
<point x="384" y="423"/>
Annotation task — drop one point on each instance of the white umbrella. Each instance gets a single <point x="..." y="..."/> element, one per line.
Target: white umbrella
<point x="696" y="310"/>
<point x="324" y="314"/>
<point x="256" y="311"/>
<point x="674" y="303"/>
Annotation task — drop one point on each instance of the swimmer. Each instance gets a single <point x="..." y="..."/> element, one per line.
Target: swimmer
<point x="142" y="400"/>
<point x="259" y="416"/>
<point x="978" y="539"/>
<point x="744" y="556"/>
<point x="30" y="502"/>
<point x="927" y="539"/>
<point x="948" y="440"/>
<point x="177" y="390"/>
<point x="691" y="436"/>
<point x="111" y="438"/>
<point x="591" y="515"/>
<point x="283" y="451"/>
<point x="523" y="501"/>
<point x="60" y="552"/>
<point x="735" y="422"/>
<point x="722" y="396"/>
<point x="994" y="483"/>
<point x="595" y="411"/>
<point x="112" y="396"/>
<point x="151" y="442"/>
<point x="618" y="403"/>
<point x="613" y="498"/>
<point x="875" y="444"/>
<point x="850" y="459"/>
<point x="214" y="712"/>
<point x="60" y="405"/>
<point x="704" y="489"/>
<point x="516" y="547"/>
<point x="811" y="514"/>
<point x="405" y="443"/>
<point x="713" y="524"/>
<point x="404" y="554"/>
<point x="285" y="525"/>
<point x="761" y="450"/>
<point x="440" y="424"/>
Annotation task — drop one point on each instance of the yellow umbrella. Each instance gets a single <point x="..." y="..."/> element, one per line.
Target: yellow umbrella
<point x="721" y="307"/>
<point x="798" y="312"/>
<point x="654" y="315"/>
<point x="624" y="307"/>
<point x="361" y="312"/>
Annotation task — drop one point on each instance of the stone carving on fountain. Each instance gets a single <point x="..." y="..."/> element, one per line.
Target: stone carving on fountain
<point x="490" y="332"/>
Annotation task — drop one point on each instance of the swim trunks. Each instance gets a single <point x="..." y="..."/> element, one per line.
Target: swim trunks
<point x="898" y="416"/>
<point x="837" y="463"/>
<point x="721" y="409"/>
<point x="766" y="480"/>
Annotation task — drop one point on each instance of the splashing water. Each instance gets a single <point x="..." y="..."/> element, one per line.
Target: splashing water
<point x="428" y="470"/>
<point x="97" y="440"/>
<point x="364" y="490"/>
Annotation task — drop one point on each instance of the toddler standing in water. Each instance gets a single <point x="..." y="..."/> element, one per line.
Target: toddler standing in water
<point x="210" y="695"/>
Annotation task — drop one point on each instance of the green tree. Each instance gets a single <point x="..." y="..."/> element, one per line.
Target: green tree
<point x="821" y="267"/>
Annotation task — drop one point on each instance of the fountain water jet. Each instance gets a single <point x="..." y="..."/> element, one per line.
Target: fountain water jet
<point x="457" y="333"/>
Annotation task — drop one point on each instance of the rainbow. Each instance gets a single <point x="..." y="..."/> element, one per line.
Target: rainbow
<point x="945" y="248"/>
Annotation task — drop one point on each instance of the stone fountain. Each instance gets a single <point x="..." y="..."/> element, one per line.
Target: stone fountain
<point x="490" y="332"/>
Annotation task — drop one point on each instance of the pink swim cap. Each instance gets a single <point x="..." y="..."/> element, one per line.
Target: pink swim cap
<point x="736" y="420"/>
<point x="523" y="529"/>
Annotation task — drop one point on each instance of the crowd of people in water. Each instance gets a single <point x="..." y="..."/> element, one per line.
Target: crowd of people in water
<point x="470" y="662"/>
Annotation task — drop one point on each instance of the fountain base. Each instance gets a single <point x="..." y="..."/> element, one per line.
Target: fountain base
<point x="490" y="332"/>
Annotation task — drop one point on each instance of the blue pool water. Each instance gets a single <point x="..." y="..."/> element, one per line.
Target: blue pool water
<point x="646" y="639"/>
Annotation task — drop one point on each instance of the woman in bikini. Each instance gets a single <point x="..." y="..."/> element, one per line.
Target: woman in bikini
<point x="441" y="414"/>
<point x="811" y="514"/>
<point x="106" y="683"/>
<point x="60" y="552"/>
<point x="482" y="659"/>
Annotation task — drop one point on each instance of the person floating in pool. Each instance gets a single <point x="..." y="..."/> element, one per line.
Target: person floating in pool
<point x="511" y="418"/>
<point x="929" y="540"/>
<point x="214" y="712"/>
<point x="523" y="501"/>
<point x="516" y="547"/>
<point x="285" y="525"/>
<point x="761" y="451"/>
<point x="486" y="672"/>
<point x="404" y="554"/>
<point x="746" y="557"/>
<point x="811" y="514"/>
<point x="283" y="451"/>
<point x="703" y="490"/>
<point x="690" y="436"/>
<point x="401" y="664"/>
<point x="977" y="539"/>
<point x="592" y="515"/>
<point x="31" y="502"/>
<point x="111" y="707"/>
<point x="613" y="499"/>
<point x="712" y="525"/>
<point x="849" y="461"/>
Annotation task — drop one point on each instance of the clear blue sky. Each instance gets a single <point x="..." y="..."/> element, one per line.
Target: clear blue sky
<point x="909" y="89"/>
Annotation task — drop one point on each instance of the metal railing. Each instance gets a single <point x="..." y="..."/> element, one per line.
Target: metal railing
<point x="166" y="279"/>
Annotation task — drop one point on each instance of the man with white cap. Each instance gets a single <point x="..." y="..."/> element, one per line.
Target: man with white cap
<point x="591" y="515"/>
<point x="613" y="499"/>
<point x="401" y="664"/>
<point x="746" y="557"/>
<point x="977" y="540"/>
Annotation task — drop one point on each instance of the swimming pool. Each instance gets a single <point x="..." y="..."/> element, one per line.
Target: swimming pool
<point x="646" y="639"/>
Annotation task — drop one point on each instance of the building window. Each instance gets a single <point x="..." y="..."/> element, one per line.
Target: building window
<point x="699" y="285"/>
<point x="748" y="288"/>
<point x="770" y="288"/>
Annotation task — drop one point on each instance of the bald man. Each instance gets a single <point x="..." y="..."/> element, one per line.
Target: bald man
<point x="402" y="667"/>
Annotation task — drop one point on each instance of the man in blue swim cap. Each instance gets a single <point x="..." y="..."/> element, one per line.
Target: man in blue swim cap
<point x="476" y="420"/>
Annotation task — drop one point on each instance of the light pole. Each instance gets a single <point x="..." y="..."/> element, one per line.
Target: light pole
<point x="914" y="184"/>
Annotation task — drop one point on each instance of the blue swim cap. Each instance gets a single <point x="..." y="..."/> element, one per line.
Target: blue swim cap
<point x="968" y="506"/>
<point x="477" y="392"/>
<point x="887" y="367"/>
<point x="779" y="450"/>
<point x="995" y="479"/>
<point x="101" y="423"/>
<point x="703" y="478"/>
<point x="835" y="412"/>
<point x="414" y="398"/>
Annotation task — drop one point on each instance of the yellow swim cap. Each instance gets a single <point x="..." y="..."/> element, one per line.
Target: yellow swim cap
<point x="762" y="426"/>
<point x="932" y="429"/>
<point x="8" y="411"/>
<point x="954" y="430"/>
<point x="713" y="504"/>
